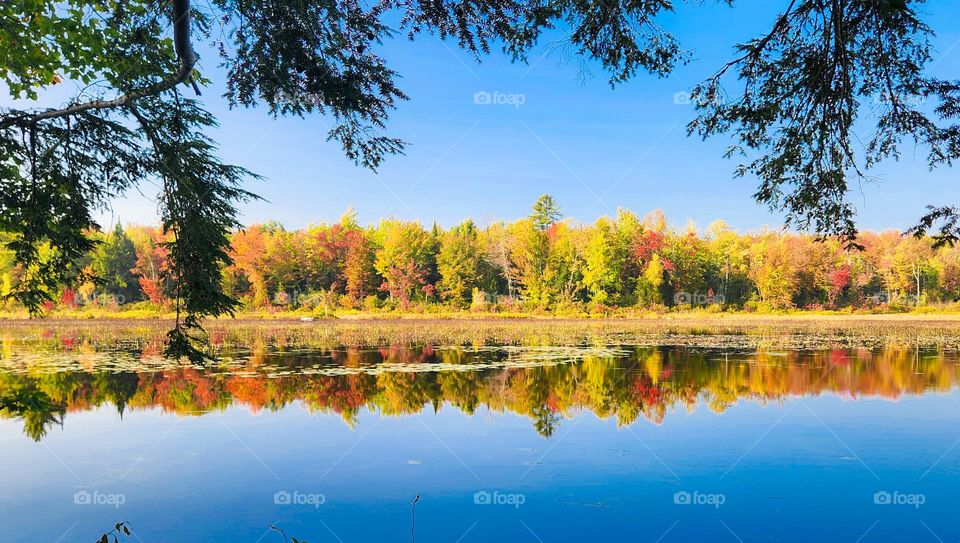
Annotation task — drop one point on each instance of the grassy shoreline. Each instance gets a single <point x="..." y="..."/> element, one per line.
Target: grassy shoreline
<point x="922" y="313"/>
<point x="702" y="330"/>
<point x="692" y="317"/>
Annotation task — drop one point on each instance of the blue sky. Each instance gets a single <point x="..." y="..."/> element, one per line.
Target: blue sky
<point x="594" y="148"/>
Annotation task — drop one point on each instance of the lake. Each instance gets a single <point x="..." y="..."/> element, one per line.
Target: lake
<point x="537" y="443"/>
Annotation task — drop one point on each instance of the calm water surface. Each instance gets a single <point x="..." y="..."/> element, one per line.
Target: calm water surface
<point x="512" y="444"/>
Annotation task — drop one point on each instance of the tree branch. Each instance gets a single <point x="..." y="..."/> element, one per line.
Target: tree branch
<point x="184" y="50"/>
<point x="757" y="49"/>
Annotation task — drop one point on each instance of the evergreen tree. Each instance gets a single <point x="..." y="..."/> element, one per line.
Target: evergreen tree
<point x="545" y="213"/>
<point x="113" y="263"/>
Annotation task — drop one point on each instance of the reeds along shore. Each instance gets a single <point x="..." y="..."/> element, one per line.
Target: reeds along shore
<point x="707" y="330"/>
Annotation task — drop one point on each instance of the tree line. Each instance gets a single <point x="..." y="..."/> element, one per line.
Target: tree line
<point x="539" y="263"/>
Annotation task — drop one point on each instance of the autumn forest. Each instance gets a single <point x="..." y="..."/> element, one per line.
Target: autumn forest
<point x="541" y="263"/>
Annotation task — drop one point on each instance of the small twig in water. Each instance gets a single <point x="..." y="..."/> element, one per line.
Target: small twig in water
<point x="280" y="531"/>
<point x="413" y="519"/>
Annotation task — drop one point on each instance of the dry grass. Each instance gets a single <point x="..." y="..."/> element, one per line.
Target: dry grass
<point x="719" y="330"/>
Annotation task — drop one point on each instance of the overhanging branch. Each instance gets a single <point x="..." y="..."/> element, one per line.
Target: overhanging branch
<point x="184" y="50"/>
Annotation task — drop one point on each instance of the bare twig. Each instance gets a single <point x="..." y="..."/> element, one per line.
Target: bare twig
<point x="413" y="519"/>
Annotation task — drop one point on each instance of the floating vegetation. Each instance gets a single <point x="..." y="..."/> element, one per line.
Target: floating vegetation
<point x="723" y="331"/>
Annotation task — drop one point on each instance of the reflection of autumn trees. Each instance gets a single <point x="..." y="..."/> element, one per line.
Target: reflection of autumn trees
<point x="645" y="383"/>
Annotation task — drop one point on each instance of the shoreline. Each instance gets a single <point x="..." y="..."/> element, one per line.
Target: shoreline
<point x="706" y="330"/>
<point x="742" y="318"/>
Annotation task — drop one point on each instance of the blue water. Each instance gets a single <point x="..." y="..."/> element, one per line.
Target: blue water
<point x="804" y="467"/>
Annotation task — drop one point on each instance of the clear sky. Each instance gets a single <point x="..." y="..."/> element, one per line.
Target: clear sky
<point x="594" y="148"/>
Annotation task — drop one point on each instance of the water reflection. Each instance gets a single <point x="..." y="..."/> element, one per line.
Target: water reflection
<point x="547" y="385"/>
